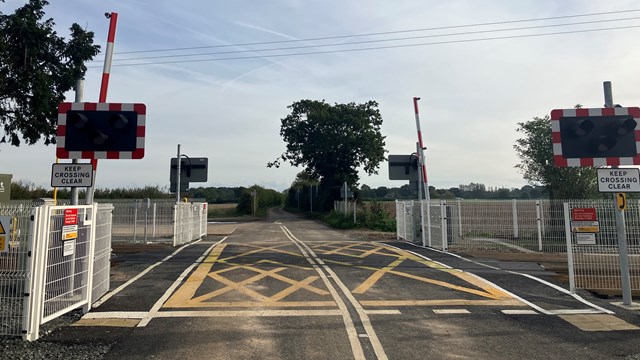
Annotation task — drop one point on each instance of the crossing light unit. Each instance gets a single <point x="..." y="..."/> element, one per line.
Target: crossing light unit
<point x="101" y="131"/>
<point x="595" y="137"/>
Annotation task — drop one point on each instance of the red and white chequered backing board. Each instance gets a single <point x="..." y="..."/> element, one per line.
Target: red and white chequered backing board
<point x="61" y="153"/>
<point x="561" y="161"/>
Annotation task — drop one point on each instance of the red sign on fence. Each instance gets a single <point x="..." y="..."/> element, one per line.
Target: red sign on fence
<point x="70" y="217"/>
<point x="583" y="214"/>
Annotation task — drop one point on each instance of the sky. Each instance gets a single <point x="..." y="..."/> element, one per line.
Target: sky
<point x="476" y="83"/>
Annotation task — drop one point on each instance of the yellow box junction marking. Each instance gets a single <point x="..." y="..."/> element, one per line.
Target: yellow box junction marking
<point x="185" y="295"/>
<point x="362" y="250"/>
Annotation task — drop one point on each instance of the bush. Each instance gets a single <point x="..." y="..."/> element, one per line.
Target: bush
<point x="371" y="216"/>
<point x="376" y="218"/>
<point x="266" y="198"/>
<point x="338" y="220"/>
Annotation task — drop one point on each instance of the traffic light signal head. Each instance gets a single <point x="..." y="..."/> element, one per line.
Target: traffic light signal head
<point x="94" y="131"/>
<point x="596" y="137"/>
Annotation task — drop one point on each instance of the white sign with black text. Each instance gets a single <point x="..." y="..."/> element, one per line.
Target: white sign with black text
<point x="619" y="180"/>
<point x="71" y="175"/>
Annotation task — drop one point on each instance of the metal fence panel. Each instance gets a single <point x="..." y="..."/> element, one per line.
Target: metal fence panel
<point x="595" y="260"/>
<point x="102" y="251"/>
<point x="187" y="222"/>
<point x="67" y="263"/>
<point x="15" y="268"/>
<point x="142" y="221"/>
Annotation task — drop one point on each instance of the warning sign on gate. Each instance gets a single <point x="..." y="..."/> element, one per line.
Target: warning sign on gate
<point x="70" y="225"/>
<point x="4" y="232"/>
<point x="583" y="214"/>
<point x="585" y="226"/>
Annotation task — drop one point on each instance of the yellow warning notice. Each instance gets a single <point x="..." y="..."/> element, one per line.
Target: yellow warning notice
<point x="4" y="240"/>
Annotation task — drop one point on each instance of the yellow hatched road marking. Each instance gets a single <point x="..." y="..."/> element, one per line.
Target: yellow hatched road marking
<point x="185" y="295"/>
<point x="254" y="304"/>
<point x="188" y="290"/>
<point x="362" y="288"/>
<point x="261" y="249"/>
<point x="275" y="275"/>
<point x="238" y="286"/>
<point x="487" y="291"/>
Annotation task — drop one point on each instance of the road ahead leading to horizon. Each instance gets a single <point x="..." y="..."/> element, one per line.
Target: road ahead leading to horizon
<point x="289" y="288"/>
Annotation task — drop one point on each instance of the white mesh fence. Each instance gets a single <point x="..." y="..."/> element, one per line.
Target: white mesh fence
<point x="188" y="221"/>
<point x="15" y="269"/>
<point x="596" y="261"/>
<point x="142" y="220"/>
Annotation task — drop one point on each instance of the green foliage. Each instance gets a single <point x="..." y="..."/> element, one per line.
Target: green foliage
<point x="265" y="198"/>
<point x="470" y="191"/>
<point x="331" y="142"/>
<point x="374" y="217"/>
<point x="535" y="150"/>
<point x="151" y="192"/>
<point x="371" y="216"/>
<point x="217" y="195"/>
<point x="338" y="220"/>
<point x="27" y="191"/>
<point x="37" y="67"/>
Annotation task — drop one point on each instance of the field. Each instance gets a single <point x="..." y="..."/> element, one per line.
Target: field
<point x="221" y="210"/>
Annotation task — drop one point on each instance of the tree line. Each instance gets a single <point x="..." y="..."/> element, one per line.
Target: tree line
<point x="470" y="191"/>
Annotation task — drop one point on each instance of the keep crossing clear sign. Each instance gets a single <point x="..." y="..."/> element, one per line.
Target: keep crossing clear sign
<point x="619" y="180"/>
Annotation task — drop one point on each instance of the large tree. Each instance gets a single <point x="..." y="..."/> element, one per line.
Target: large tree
<point x="332" y="142"/>
<point x="535" y="150"/>
<point x="36" y="68"/>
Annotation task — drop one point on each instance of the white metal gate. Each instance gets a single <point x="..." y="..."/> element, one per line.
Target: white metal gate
<point x="594" y="262"/>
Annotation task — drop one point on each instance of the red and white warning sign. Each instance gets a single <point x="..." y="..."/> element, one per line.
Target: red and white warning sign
<point x="583" y="214"/>
<point x="70" y="225"/>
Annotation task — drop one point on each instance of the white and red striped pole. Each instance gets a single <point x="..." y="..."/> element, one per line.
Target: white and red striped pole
<point x="108" y="56"/>
<point x="106" y="71"/>
<point x="421" y="144"/>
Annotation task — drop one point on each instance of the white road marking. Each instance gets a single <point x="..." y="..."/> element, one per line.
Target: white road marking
<point x="366" y="323"/>
<point x="574" y="311"/>
<point x="451" y="311"/>
<point x="356" y="347"/>
<point x="116" y="315"/>
<point x="519" y="312"/>
<point x="221" y="313"/>
<point x="383" y="312"/>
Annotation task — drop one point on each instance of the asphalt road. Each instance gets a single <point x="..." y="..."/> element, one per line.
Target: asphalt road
<point x="288" y="288"/>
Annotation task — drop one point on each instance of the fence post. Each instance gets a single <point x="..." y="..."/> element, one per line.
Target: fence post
<point x="544" y="229"/>
<point x="538" y="220"/>
<point x="423" y="235"/>
<point x="429" y="221"/>
<point x="175" y="224"/>
<point x="154" y="220"/>
<point x="397" y="222"/>
<point x="354" y="211"/>
<point x="443" y="215"/>
<point x="33" y="285"/>
<point x="514" y="207"/>
<point x="92" y="256"/>
<point x="460" y="218"/>
<point x="135" y="220"/>
<point x="567" y="231"/>
<point x="41" y="238"/>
